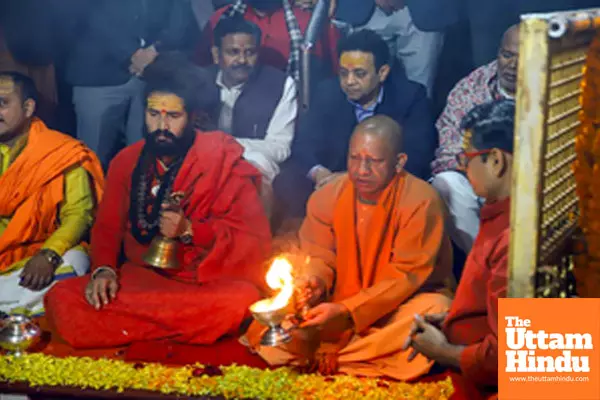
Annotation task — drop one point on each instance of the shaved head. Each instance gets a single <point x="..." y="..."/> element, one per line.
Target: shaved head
<point x="511" y="34"/>
<point x="508" y="60"/>
<point x="384" y="128"/>
<point x="375" y="156"/>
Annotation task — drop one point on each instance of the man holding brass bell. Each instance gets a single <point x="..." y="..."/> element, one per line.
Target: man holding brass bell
<point x="379" y="254"/>
<point x="184" y="207"/>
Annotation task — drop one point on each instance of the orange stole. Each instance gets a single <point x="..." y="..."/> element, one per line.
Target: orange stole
<point x="33" y="188"/>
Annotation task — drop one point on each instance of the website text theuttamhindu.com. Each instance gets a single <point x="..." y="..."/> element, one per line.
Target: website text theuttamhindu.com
<point x="549" y="379"/>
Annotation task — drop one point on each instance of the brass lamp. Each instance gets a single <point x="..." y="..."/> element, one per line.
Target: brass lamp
<point x="163" y="251"/>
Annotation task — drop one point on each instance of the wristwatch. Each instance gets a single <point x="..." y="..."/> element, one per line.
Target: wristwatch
<point x="52" y="257"/>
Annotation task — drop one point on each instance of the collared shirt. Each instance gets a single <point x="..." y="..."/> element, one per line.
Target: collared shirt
<point x="75" y="211"/>
<point x="265" y="154"/>
<point x="363" y="113"/>
<point x="228" y="98"/>
<point x="479" y="87"/>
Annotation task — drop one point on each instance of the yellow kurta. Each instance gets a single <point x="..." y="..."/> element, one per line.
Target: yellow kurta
<point x="385" y="263"/>
<point x="75" y="212"/>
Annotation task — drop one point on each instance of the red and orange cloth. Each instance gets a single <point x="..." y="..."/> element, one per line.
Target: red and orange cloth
<point x="33" y="188"/>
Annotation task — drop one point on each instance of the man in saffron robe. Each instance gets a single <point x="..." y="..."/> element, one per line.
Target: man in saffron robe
<point x="221" y="226"/>
<point x="378" y="256"/>
<point x="466" y="338"/>
<point x="49" y="184"/>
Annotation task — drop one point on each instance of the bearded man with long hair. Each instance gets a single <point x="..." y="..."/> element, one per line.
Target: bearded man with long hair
<point x="221" y="226"/>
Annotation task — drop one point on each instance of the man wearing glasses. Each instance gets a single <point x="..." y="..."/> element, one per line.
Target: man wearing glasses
<point x="466" y="338"/>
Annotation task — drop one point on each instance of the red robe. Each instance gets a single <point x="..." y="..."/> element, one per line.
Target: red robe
<point x="222" y="269"/>
<point x="473" y="317"/>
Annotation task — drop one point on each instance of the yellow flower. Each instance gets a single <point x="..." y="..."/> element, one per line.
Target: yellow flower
<point x="231" y="382"/>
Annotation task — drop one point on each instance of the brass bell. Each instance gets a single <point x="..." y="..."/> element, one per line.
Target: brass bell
<point x="162" y="253"/>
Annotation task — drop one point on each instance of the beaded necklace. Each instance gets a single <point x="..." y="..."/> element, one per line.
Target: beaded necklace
<point x="147" y="199"/>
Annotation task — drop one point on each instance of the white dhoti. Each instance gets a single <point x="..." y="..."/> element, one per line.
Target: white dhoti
<point x="17" y="299"/>
<point x="463" y="206"/>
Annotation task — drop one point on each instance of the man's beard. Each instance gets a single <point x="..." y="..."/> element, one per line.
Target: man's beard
<point x="11" y="134"/>
<point x="171" y="146"/>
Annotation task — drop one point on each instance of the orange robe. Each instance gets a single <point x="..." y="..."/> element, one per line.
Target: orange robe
<point x="385" y="263"/>
<point x="36" y="182"/>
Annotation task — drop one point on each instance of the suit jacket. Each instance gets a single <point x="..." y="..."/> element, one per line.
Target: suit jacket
<point x="324" y="132"/>
<point x="427" y="15"/>
<point x="112" y="32"/>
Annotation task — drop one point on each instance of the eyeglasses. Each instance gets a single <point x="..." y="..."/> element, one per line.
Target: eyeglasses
<point x="464" y="157"/>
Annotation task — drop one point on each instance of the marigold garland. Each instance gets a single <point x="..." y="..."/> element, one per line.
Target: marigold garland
<point x="231" y="382"/>
<point x="586" y="170"/>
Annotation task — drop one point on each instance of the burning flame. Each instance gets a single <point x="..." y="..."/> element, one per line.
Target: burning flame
<point x="279" y="277"/>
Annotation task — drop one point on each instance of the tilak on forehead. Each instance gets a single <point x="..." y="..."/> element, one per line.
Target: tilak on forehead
<point x="355" y="59"/>
<point x="7" y="85"/>
<point x="467" y="140"/>
<point x="166" y="102"/>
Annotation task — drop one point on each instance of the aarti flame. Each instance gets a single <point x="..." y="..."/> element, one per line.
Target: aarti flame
<point x="279" y="277"/>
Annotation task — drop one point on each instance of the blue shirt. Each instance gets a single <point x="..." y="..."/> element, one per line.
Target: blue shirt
<point x="363" y="113"/>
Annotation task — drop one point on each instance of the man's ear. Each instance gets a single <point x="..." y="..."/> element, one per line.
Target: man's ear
<point x="383" y="73"/>
<point x="498" y="162"/>
<point x="401" y="160"/>
<point x="215" y="54"/>
<point x="29" y="107"/>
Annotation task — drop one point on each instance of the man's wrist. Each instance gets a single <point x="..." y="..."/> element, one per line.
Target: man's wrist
<point x="154" y="47"/>
<point x="451" y="355"/>
<point x="52" y="257"/>
<point x="346" y="315"/>
<point x="104" y="269"/>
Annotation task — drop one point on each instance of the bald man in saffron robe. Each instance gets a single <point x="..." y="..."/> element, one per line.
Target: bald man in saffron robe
<point x="378" y="256"/>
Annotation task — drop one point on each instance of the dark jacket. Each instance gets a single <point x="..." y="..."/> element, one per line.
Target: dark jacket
<point x="427" y="15"/>
<point x="324" y="132"/>
<point x="256" y="104"/>
<point x="112" y="32"/>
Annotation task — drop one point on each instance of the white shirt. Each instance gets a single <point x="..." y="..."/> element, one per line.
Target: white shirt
<point x="265" y="154"/>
